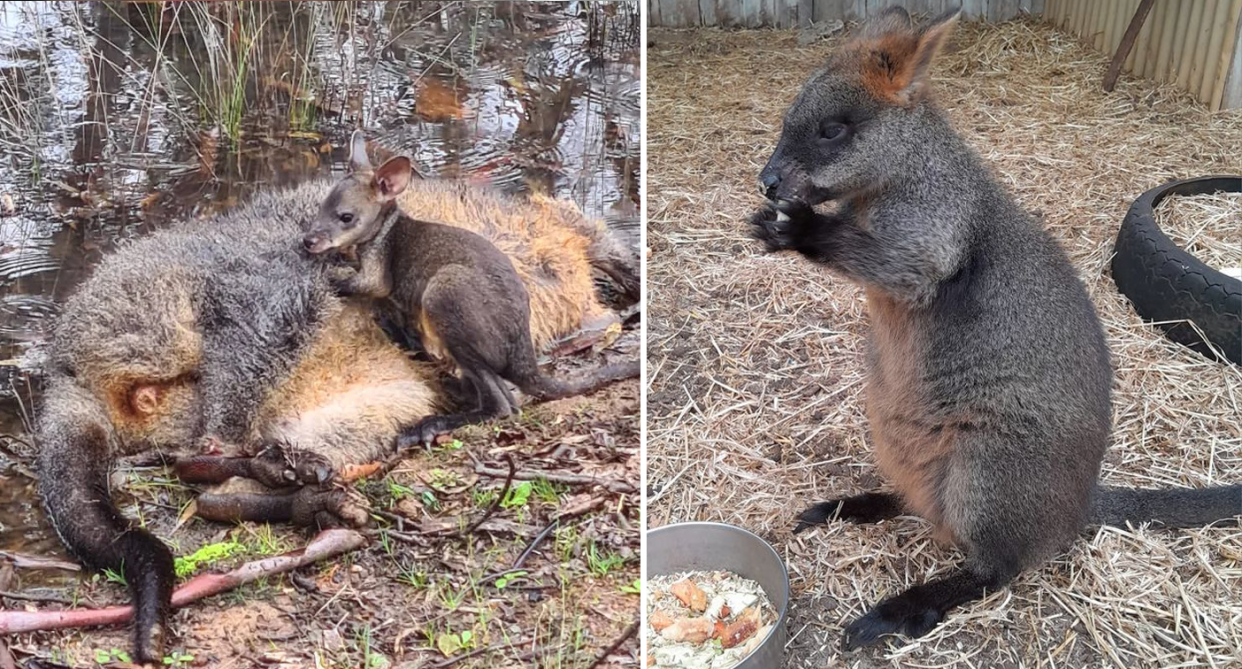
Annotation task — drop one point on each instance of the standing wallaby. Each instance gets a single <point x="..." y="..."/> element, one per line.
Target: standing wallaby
<point x="461" y="294"/>
<point x="988" y="375"/>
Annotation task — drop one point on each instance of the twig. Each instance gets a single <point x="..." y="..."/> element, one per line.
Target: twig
<point x="327" y="544"/>
<point x="475" y="653"/>
<point x="539" y="538"/>
<point x="25" y="561"/>
<point x="504" y="490"/>
<point x="613" y="485"/>
<point x="27" y="597"/>
<point x="629" y="632"/>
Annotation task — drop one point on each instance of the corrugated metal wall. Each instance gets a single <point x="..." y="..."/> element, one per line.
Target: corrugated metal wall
<point x="791" y="13"/>
<point x="1195" y="44"/>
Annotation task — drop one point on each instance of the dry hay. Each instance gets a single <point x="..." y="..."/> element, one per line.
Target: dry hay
<point x="755" y="406"/>
<point x="1208" y="226"/>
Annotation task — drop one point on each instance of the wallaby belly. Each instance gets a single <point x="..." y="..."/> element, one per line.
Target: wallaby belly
<point x="913" y="445"/>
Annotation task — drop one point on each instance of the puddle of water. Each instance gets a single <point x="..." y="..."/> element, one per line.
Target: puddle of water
<point x="118" y="118"/>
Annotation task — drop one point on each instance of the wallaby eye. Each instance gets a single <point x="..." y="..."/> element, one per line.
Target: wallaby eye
<point x="346" y="218"/>
<point x="832" y="131"/>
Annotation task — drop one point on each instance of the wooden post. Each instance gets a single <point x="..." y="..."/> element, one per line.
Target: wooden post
<point x="1127" y="43"/>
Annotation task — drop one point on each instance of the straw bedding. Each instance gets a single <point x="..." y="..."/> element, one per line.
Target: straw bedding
<point x="1209" y="226"/>
<point x="755" y="361"/>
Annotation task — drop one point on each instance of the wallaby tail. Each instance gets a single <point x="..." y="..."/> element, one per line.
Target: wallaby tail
<point x="548" y="388"/>
<point x="1171" y="508"/>
<point x="73" y="437"/>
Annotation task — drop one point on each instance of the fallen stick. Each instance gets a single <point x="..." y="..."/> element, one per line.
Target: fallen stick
<point x="616" y="645"/>
<point x="327" y="544"/>
<point x="613" y="485"/>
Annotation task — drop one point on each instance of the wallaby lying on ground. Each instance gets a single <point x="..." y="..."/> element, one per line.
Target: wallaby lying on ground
<point x="988" y="375"/>
<point x="225" y="334"/>
<point x="454" y="287"/>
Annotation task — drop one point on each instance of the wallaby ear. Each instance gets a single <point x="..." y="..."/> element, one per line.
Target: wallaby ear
<point x="358" y="160"/>
<point x="896" y="56"/>
<point x="892" y="20"/>
<point x="391" y="178"/>
<point x="931" y="38"/>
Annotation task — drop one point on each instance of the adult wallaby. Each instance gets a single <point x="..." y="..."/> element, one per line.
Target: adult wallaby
<point x="461" y="294"/>
<point x="223" y="334"/>
<point x="988" y="375"/>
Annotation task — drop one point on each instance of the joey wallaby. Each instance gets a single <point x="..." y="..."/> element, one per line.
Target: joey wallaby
<point x="225" y="329"/>
<point x="988" y="376"/>
<point x="462" y="295"/>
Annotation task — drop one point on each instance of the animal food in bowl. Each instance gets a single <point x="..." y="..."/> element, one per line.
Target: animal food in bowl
<point x="705" y="619"/>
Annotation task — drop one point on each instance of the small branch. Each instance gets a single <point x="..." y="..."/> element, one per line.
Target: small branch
<point x="327" y="544"/>
<point x="26" y="561"/>
<point x="629" y="632"/>
<point x="543" y="534"/>
<point x="612" y="485"/>
<point x="517" y="564"/>
<point x="496" y="502"/>
<point x="26" y="597"/>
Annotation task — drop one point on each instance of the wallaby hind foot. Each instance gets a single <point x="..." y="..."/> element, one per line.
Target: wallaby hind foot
<point x="493" y="401"/>
<point x="918" y="610"/>
<point x="869" y="507"/>
<point x="314" y="506"/>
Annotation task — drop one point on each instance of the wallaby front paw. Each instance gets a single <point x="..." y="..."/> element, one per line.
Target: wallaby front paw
<point x="780" y="225"/>
<point x="311" y="467"/>
<point x="895" y="615"/>
<point x="272" y="469"/>
<point x="870" y="507"/>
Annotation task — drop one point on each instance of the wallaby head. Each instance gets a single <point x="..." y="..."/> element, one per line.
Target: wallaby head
<point x="356" y="206"/>
<point x="854" y="122"/>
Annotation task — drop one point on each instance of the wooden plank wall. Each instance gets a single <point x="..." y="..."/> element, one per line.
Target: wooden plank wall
<point x="794" y="13"/>
<point x="1194" y="44"/>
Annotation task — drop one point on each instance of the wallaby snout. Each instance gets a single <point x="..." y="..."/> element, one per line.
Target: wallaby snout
<point x="316" y="242"/>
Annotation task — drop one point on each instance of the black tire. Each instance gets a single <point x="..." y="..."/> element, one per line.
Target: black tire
<point x="1172" y="288"/>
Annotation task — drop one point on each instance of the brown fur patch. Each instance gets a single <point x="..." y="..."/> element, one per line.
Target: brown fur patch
<point x="913" y="448"/>
<point x="432" y="342"/>
<point x="886" y="64"/>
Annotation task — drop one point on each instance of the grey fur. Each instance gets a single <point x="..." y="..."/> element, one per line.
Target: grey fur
<point x="981" y="328"/>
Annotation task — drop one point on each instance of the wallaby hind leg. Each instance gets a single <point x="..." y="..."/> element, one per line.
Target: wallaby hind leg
<point x="314" y="506"/>
<point x="869" y="507"/>
<point x="494" y="401"/>
<point x="917" y="610"/>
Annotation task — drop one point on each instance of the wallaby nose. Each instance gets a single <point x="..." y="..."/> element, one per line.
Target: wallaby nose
<point x="310" y="241"/>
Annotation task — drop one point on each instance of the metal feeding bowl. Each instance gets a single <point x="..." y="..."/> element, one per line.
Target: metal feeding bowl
<point x="683" y="547"/>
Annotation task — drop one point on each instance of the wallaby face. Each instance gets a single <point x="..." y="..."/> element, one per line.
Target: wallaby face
<point x="858" y="117"/>
<point x="354" y="210"/>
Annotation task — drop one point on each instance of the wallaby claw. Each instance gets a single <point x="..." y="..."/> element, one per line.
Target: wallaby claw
<point x="895" y="615"/>
<point x="311" y="468"/>
<point x="776" y="225"/>
<point x="272" y="470"/>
